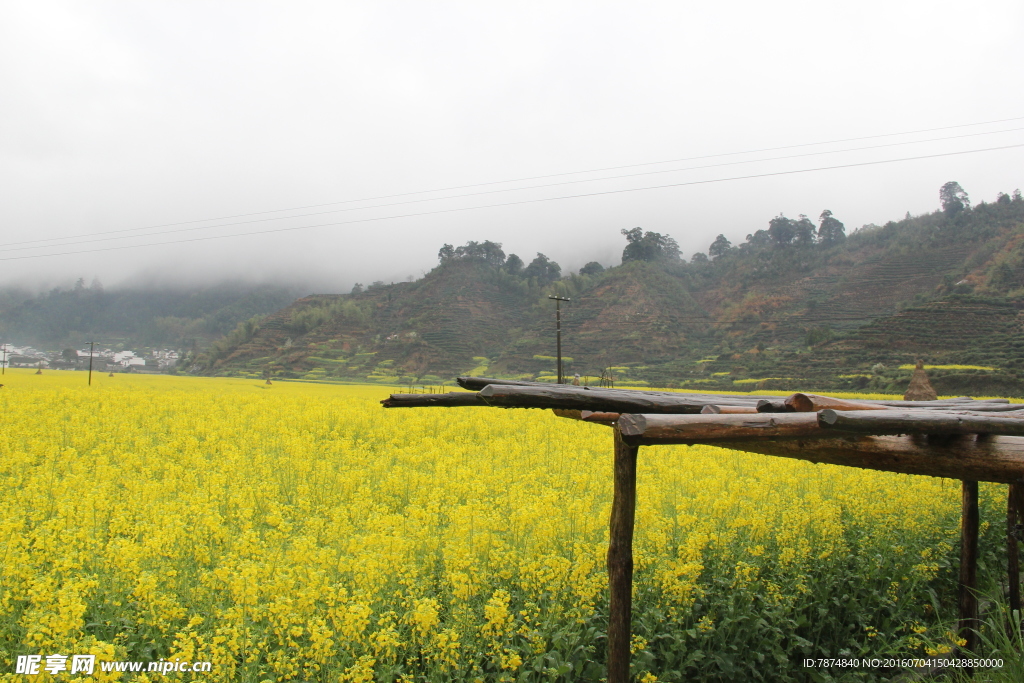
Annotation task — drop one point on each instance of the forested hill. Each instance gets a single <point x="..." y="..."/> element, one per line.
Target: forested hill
<point x="797" y="304"/>
<point x="182" y="317"/>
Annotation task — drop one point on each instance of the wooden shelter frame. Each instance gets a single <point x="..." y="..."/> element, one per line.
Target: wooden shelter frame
<point x="962" y="438"/>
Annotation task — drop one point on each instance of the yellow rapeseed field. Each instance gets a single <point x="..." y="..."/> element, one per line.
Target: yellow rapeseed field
<point x="302" y="532"/>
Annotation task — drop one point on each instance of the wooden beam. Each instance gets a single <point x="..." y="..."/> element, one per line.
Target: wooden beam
<point x="987" y="458"/>
<point x="704" y="428"/>
<point x="478" y="383"/>
<point x="919" y="422"/>
<point x="620" y="560"/>
<point x="728" y="410"/>
<point x="812" y="403"/>
<point x="962" y="401"/>
<point x="588" y="416"/>
<point x="766" y="405"/>
<point x="967" y="587"/>
<point x="452" y="399"/>
<point x="600" y="418"/>
<point x="602" y="400"/>
<point x="773" y="406"/>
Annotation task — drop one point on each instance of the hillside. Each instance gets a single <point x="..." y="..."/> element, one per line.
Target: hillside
<point x="183" y="317"/>
<point x="781" y="310"/>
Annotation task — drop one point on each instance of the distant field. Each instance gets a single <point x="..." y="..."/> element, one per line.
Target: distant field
<point x="301" y="532"/>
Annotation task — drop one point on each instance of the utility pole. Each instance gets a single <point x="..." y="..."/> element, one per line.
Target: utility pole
<point x="3" y="368"/>
<point x="91" y="344"/>
<point x="558" y="333"/>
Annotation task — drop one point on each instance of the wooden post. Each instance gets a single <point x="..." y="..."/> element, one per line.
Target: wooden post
<point x="968" y="585"/>
<point x="620" y="560"/>
<point x="1014" y="521"/>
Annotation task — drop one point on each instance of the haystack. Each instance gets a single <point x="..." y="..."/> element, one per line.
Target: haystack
<point x="920" y="388"/>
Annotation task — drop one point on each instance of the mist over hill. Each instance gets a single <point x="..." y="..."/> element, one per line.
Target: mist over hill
<point x="134" y="316"/>
<point x="798" y="304"/>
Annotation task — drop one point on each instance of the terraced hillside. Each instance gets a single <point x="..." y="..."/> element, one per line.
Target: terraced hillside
<point x="948" y="289"/>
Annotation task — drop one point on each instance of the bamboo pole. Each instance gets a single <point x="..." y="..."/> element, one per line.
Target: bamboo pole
<point x="620" y="560"/>
<point x="967" y="587"/>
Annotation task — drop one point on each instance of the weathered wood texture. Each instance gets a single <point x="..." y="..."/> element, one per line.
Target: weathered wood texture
<point x="601" y="418"/>
<point x="919" y="422"/>
<point x="967" y="587"/>
<point x="810" y="403"/>
<point x="517" y="394"/>
<point x="692" y="429"/>
<point x="587" y="416"/>
<point x="620" y="560"/>
<point x="765" y="405"/>
<point x="478" y="383"/>
<point x="728" y="410"/>
<point x="1014" y="526"/>
<point x="601" y="400"/>
<point x="452" y="399"/>
<point x="988" y="458"/>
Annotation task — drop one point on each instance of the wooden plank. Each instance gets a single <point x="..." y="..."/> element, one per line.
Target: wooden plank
<point x="706" y="428"/>
<point x="919" y="422"/>
<point x="452" y="399"/>
<point x="967" y="586"/>
<point x="620" y="560"/>
<point x="986" y="458"/>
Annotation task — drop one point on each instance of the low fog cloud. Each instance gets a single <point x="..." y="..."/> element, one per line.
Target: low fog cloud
<point x="122" y="116"/>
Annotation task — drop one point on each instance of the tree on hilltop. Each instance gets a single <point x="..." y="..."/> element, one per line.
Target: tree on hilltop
<point x="953" y="198"/>
<point x="487" y="251"/>
<point x="513" y="264"/>
<point x="648" y="246"/>
<point x="803" y="231"/>
<point x="781" y="231"/>
<point x="720" y="247"/>
<point x="592" y="268"/>
<point x="543" y="268"/>
<point x="831" y="230"/>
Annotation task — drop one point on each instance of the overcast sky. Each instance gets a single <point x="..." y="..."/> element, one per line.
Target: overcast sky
<point x="116" y="116"/>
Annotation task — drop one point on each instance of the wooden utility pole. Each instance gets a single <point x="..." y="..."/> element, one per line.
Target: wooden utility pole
<point x="91" y="345"/>
<point x="3" y="368"/>
<point x="558" y="333"/>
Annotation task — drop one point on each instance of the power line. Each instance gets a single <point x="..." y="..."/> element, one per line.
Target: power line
<point x="476" y="194"/>
<point x="529" y="178"/>
<point x="515" y="203"/>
